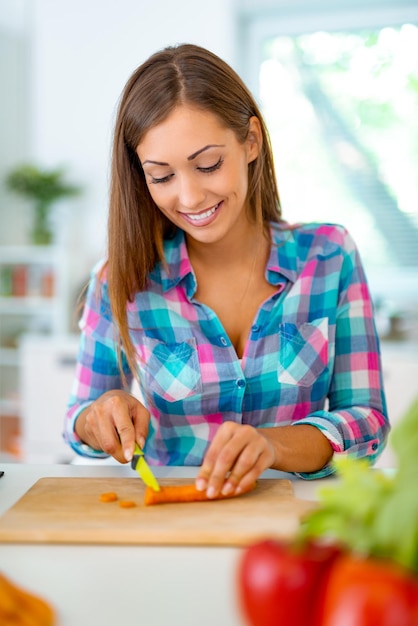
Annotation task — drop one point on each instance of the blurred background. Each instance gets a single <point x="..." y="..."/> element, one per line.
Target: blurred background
<point x="338" y="83"/>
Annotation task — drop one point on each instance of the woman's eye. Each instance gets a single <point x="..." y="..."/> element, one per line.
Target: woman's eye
<point x="164" y="179"/>
<point x="204" y="170"/>
<point x="211" y="168"/>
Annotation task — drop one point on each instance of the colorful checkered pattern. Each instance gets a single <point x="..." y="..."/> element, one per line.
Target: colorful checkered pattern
<point x="312" y="355"/>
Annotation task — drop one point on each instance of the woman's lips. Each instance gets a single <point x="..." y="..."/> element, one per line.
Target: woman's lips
<point x="204" y="217"/>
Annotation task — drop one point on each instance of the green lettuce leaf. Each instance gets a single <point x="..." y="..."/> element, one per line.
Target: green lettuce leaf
<point x="372" y="511"/>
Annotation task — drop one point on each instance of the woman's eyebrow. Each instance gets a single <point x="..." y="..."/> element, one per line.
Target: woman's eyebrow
<point x="211" y="145"/>
<point x="154" y="162"/>
<point x="189" y="158"/>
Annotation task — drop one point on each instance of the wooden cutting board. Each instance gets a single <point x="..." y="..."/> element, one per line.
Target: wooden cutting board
<point x="68" y="510"/>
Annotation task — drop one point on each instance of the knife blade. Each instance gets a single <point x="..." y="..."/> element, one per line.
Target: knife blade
<point x="142" y="468"/>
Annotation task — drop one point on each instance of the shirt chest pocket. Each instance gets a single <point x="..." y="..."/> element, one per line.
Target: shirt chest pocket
<point x="172" y="369"/>
<point x="303" y="352"/>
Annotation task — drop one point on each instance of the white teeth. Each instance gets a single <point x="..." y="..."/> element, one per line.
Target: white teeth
<point x="202" y="216"/>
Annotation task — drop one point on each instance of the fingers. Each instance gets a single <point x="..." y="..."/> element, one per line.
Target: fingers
<point x="114" y="422"/>
<point x="109" y="424"/>
<point x="235" y="459"/>
<point x="140" y="418"/>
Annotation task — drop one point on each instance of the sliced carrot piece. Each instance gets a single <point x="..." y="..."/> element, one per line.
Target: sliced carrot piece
<point x="183" y="493"/>
<point x="109" y="496"/>
<point x="127" y="504"/>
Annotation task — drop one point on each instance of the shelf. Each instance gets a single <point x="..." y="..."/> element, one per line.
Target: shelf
<point x="28" y="254"/>
<point x="26" y="305"/>
<point x="33" y="299"/>
<point x="9" y="407"/>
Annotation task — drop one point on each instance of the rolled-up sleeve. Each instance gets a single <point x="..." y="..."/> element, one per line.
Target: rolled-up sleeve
<point x="355" y="421"/>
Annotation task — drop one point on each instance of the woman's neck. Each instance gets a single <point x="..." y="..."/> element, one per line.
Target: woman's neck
<point x="238" y="249"/>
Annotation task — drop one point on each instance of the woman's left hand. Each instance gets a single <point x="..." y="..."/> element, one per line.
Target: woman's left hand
<point x="237" y="456"/>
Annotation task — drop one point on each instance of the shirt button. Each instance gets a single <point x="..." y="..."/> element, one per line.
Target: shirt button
<point x="224" y="341"/>
<point x="240" y="382"/>
<point x="255" y="328"/>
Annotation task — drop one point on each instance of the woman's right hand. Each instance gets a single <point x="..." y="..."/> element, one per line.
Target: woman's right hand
<point x="113" y="423"/>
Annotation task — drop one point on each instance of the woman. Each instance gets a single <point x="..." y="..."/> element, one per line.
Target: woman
<point x="252" y="341"/>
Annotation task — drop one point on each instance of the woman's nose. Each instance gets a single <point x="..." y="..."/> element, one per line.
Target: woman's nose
<point x="190" y="192"/>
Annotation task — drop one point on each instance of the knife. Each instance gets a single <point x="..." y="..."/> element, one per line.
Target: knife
<point x="140" y="465"/>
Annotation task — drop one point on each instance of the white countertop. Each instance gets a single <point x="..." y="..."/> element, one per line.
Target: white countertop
<point x="117" y="585"/>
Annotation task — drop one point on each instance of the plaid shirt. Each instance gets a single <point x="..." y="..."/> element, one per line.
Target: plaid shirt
<point x="312" y="355"/>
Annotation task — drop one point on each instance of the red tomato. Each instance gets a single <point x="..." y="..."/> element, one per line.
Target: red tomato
<point x="368" y="592"/>
<point x="278" y="584"/>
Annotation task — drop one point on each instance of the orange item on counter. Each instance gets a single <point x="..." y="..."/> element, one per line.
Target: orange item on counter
<point x="109" y="496"/>
<point x="21" y="608"/>
<point x="127" y="504"/>
<point x="182" y="493"/>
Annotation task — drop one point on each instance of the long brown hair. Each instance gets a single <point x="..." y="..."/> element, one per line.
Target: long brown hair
<point x="136" y="227"/>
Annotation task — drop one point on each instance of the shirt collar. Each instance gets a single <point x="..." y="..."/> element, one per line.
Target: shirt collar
<point x="282" y="262"/>
<point x="177" y="265"/>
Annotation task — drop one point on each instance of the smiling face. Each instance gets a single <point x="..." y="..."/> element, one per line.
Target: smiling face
<point x="197" y="172"/>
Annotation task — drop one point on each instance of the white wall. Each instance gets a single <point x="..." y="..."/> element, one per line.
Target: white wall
<point x="80" y="54"/>
<point x="13" y="110"/>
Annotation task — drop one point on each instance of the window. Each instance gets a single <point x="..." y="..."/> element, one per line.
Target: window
<point x="339" y="92"/>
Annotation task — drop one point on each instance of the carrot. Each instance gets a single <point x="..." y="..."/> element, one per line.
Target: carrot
<point x="19" y="607"/>
<point x="182" y="493"/>
<point x="127" y="504"/>
<point x="109" y="496"/>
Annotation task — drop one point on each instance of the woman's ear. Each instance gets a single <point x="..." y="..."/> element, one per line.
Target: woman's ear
<point x="254" y="139"/>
